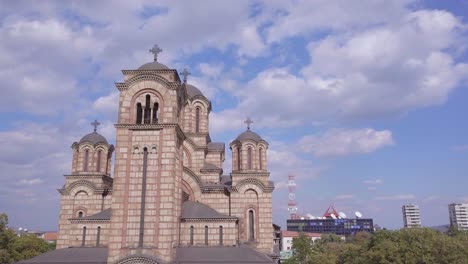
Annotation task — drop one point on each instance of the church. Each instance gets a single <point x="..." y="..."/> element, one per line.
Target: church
<point x="168" y="200"/>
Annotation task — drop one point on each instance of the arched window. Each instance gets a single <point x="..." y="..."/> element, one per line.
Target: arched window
<point x="139" y="113"/>
<point x="98" y="163"/>
<point x="155" y="113"/>
<point x="249" y="158"/>
<point x="80" y="214"/>
<point x="83" y="239"/>
<point x="197" y="120"/>
<point x="85" y="162"/>
<point x="98" y="237"/>
<point x="220" y="235"/>
<point x="260" y="158"/>
<point x="191" y="235"/>
<point x="239" y="159"/>
<point x="206" y="235"/>
<point x="251" y="225"/>
<point x="147" y="109"/>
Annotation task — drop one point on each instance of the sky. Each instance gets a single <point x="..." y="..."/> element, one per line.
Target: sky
<point x="363" y="101"/>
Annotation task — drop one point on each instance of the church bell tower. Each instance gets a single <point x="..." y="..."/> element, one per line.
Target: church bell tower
<point x="146" y="201"/>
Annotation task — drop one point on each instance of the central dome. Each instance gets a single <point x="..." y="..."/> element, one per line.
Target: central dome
<point x="193" y="91"/>
<point x="94" y="138"/>
<point x="153" y="66"/>
<point x="249" y="135"/>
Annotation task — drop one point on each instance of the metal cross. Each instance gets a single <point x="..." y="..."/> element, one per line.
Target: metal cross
<point x="186" y="73"/>
<point x="156" y="50"/>
<point x="248" y="122"/>
<point x="95" y="124"/>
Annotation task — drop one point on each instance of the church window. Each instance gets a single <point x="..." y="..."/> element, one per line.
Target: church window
<point x="139" y="113"/>
<point x="98" y="163"/>
<point x="220" y="235"/>
<point x="197" y="120"/>
<point x="85" y="162"/>
<point x="191" y="235"/>
<point x="238" y="159"/>
<point x="251" y="225"/>
<point x="98" y="237"/>
<point x="80" y="214"/>
<point x="206" y="235"/>
<point x="260" y="159"/>
<point x="249" y="158"/>
<point x="147" y="110"/>
<point x="83" y="239"/>
<point x="155" y="113"/>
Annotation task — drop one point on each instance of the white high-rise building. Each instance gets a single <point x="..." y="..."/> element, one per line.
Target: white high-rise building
<point x="411" y="216"/>
<point x="458" y="213"/>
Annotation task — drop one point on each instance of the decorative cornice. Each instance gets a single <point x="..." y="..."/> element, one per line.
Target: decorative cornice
<point x="221" y="219"/>
<point x="145" y="75"/>
<point x="250" y="173"/>
<point x="79" y="220"/>
<point x="266" y="189"/>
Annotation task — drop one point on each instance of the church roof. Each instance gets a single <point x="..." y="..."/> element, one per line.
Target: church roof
<point x="153" y="66"/>
<point x="220" y="255"/>
<point x="199" y="210"/>
<point x="94" y="138"/>
<point x="249" y="135"/>
<point x="215" y="146"/>
<point x="193" y="91"/>
<point x="103" y="215"/>
<point x="81" y="255"/>
<point x="193" y="255"/>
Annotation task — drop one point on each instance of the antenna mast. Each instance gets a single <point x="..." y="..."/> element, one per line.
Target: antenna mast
<point x="292" y="204"/>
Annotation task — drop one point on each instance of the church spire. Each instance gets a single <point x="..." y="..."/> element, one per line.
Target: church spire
<point x="248" y="122"/>
<point x="95" y="124"/>
<point x="155" y="50"/>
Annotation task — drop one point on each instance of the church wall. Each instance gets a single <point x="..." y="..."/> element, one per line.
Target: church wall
<point x="215" y="158"/>
<point x="216" y="200"/>
<point x="245" y="200"/>
<point x="229" y="233"/>
<point x="76" y="234"/>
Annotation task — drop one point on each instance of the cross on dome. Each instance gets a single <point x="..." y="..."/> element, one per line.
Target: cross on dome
<point x="248" y="122"/>
<point x="95" y="124"/>
<point x="186" y="73"/>
<point x="155" y="50"/>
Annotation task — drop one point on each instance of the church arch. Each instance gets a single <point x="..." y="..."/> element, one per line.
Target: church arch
<point x="193" y="181"/>
<point x="146" y="107"/>
<point x="255" y="184"/>
<point x="140" y="259"/>
<point x="81" y="185"/>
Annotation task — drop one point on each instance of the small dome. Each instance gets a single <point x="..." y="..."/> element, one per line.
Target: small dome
<point x="153" y="66"/>
<point x="94" y="138"/>
<point x="193" y="91"/>
<point x="249" y="135"/>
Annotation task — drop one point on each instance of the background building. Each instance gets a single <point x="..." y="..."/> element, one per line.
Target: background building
<point x="411" y="216"/>
<point x="458" y="213"/>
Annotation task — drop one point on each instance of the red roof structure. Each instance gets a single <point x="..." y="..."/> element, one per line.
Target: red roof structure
<point x="331" y="210"/>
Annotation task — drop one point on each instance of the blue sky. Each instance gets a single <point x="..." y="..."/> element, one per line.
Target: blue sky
<point x="365" y="103"/>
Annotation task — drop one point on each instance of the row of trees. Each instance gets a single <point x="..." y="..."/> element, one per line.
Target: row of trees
<point x="406" y="246"/>
<point x="15" y="248"/>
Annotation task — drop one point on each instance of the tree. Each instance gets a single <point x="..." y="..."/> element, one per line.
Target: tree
<point x="16" y="248"/>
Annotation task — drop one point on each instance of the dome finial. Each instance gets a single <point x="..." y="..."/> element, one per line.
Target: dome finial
<point x="95" y="124"/>
<point x="185" y="73"/>
<point x="248" y="122"/>
<point x="156" y="50"/>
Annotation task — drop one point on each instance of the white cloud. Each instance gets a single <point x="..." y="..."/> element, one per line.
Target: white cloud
<point x="374" y="182"/>
<point x="108" y="104"/>
<point x="345" y="197"/>
<point x="398" y="197"/>
<point x="338" y="142"/>
<point x="34" y="181"/>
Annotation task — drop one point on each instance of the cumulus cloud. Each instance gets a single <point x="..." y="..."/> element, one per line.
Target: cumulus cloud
<point x="345" y="197"/>
<point x="339" y="142"/>
<point x="34" y="181"/>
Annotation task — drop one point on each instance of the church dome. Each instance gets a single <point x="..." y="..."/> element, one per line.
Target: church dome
<point x="153" y="66"/>
<point x="249" y="135"/>
<point x="193" y="91"/>
<point x="94" y="138"/>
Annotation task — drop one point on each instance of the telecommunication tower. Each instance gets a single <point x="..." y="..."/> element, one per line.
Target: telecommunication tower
<point x="292" y="204"/>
